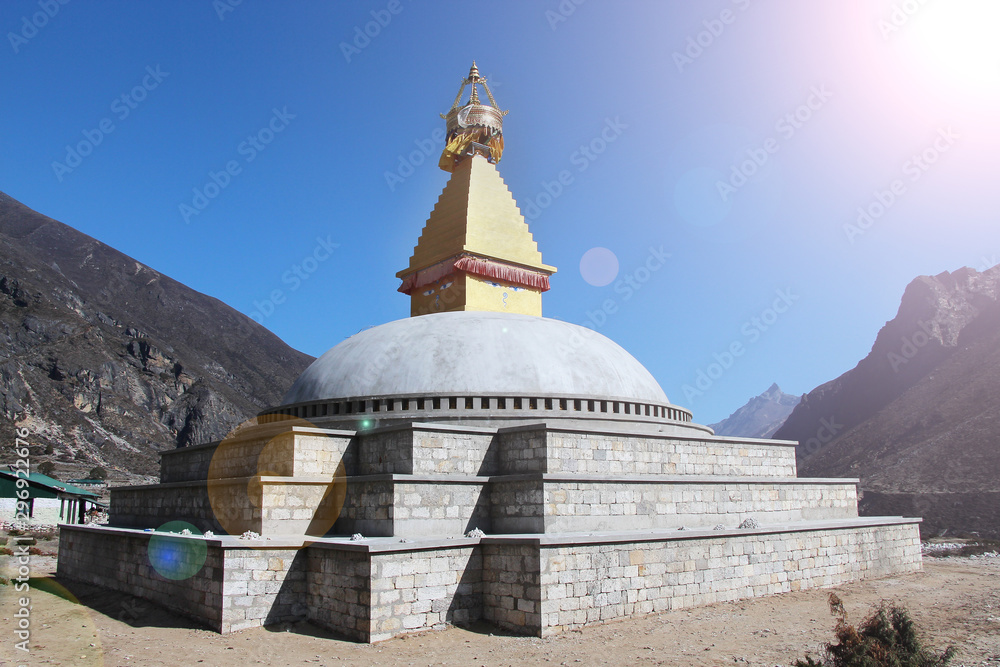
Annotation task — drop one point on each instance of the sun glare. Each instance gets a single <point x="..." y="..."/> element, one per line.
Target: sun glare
<point x="957" y="39"/>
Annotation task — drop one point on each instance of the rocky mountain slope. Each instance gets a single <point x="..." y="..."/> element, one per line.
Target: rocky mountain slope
<point x="107" y="361"/>
<point x="760" y="417"/>
<point x="918" y="419"/>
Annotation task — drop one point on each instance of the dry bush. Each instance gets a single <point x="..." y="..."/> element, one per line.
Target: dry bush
<point x="887" y="638"/>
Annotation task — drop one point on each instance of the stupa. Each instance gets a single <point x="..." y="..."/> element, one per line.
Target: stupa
<point x="477" y="461"/>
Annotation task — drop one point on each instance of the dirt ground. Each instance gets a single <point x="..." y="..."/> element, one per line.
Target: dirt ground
<point x="954" y="601"/>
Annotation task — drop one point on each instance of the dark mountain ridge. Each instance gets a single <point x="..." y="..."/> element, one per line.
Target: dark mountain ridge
<point x="918" y="419"/>
<point x="108" y="361"/>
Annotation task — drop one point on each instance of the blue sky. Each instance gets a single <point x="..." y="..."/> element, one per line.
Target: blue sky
<point x="739" y="137"/>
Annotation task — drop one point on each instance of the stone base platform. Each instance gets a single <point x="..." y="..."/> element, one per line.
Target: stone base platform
<point x="532" y="584"/>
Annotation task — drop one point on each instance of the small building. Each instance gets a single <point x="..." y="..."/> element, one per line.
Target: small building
<point x="50" y="501"/>
<point x="88" y="483"/>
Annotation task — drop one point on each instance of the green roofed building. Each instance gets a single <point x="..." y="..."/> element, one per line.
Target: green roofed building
<point x="49" y="500"/>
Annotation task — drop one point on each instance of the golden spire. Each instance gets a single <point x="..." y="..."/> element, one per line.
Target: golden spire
<point x="474" y="79"/>
<point x="473" y="128"/>
<point x="475" y="251"/>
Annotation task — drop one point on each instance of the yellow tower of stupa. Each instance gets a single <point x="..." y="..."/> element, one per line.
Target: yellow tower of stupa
<point x="475" y="251"/>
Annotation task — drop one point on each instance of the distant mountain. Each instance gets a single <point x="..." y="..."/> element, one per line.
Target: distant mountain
<point x="760" y="417"/>
<point x="107" y="362"/>
<point x="918" y="419"/>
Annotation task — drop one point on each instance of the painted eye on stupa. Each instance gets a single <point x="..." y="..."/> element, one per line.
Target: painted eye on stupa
<point x="446" y="285"/>
<point x="429" y="292"/>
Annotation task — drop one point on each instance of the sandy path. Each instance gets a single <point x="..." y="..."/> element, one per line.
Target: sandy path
<point x="954" y="601"/>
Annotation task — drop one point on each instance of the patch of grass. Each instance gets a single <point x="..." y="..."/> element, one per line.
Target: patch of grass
<point x="887" y="638"/>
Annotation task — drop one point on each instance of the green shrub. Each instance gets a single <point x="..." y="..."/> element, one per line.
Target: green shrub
<point x="887" y="638"/>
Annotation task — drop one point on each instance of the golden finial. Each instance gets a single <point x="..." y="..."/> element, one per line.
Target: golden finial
<point x="473" y="128"/>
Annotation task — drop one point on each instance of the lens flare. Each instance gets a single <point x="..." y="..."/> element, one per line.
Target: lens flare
<point x="177" y="556"/>
<point x="957" y="40"/>
<point x="599" y="266"/>
<point x="252" y="467"/>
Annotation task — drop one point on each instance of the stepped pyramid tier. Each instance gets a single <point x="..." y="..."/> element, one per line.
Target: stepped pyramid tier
<point x="476" y="251"/>
<point x="478" y="463"/>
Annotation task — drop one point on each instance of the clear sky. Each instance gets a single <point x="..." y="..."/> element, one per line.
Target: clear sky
<point x="257" y="149"/>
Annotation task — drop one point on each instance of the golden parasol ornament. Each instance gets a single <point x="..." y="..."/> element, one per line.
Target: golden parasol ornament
<point x="474" y="127"/>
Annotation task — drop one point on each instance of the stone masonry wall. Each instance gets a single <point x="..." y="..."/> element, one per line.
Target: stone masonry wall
<point x="367" y="509"/>
<point x="426" y="509"/>
<point x="517" y="506"/>
<point x="387" y="451"/>
<point x="222" y="506"/>
<point x="188" y="464"/>
<point x="263" y="587"/>
<point x="527" y="450"/>
<point x="299" y="452"/>
<point x="424" y="449"/>
<point x="299" y="507"/>
<point x="119" y="561"/>
<point x="528" y="586"/>
<point x="277" y="506"/>
<point x="379" y="507"/>
<point x="587" y="584"/>
<point x="323" y="455"/>
<point x="617" y="504"/>
<point x="152" y="506"/>
<point x="453" y="452"/>
<point x="338" y="590"/>
<point x="512" y="592"/>
<point x="417" y="590"/>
